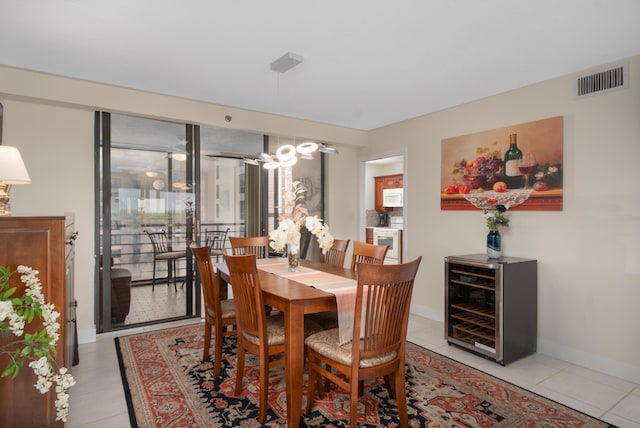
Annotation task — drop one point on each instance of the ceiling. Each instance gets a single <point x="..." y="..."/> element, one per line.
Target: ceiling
<point x="367" y="63"/>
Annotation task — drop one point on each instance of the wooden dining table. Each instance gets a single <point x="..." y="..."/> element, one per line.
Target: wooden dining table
<point x="294" y="300"/>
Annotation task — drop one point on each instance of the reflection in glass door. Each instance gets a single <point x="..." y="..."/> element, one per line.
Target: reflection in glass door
<point x="224" y="189"/>
<point x="223" y="202"/>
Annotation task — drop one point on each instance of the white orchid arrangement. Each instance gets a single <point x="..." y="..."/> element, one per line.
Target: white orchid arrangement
<point x="39" y="347"/>
<point x="295" y="215"/>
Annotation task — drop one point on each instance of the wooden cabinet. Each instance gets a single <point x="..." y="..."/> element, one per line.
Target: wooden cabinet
<point x="368" y="231"/>
<point x="382" y="182"/>
<point x="40" y="243"/>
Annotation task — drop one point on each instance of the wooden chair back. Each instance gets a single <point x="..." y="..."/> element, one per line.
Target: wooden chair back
<point x="336" y="254"/>
<point x="210" y="289"/>
<point x="257" y="245"/>
<point x="247" y="293"/>
<point x="305" y="240"/>
<point x="367" y="254"/>
<point x="388" y="290"/>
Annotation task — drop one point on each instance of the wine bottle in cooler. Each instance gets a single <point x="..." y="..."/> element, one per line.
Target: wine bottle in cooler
<point x="512" y="176"/>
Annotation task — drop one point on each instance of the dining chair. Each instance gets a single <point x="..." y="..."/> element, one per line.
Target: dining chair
<point x="162" y="251"/>
<point x="377" y="348"/>
<point x="336" y="254"/>
<point x="219" y="314"/>
<point x="258" y="245"/>
<point x="258" y="333"/>
<point x="305" y="240"/>
<point x="367" y="254"/>
<point x="216" y="241"/>
<point x="334" y="257"/>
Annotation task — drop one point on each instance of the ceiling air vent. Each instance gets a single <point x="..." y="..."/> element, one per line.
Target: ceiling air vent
<point x="615" y="77"/>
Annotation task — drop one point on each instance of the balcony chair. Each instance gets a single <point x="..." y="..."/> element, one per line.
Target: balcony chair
<point x="258" y="245"/>
<point x="162" y="251"/>
<point x="378" y="342"/>
<point x="367" y="254"/>
<point x="219" y="313"/>
<point x="216" y="241"/>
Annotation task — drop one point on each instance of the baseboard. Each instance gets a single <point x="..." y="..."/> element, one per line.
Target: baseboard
<point x="591" y="361"/>
<point x="426" y="312"/>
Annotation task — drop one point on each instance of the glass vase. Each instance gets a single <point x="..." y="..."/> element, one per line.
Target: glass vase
<point x="293" y="255"/>
<point x="494" y="245"/>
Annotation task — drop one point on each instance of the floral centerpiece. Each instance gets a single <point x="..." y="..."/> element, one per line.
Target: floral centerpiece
<point x="494" y="215"/>
<point x="295" y="215"/>
<point x="39" y="347"/>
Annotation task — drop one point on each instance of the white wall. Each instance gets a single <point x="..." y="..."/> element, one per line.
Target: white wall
<point x="588" y="254"/>
<point x="56" y="144"/>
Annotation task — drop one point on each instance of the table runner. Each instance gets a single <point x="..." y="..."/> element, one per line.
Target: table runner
<point x="343" y="288"/>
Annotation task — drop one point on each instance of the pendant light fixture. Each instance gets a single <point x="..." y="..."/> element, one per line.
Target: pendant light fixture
<point x="307" y="147"/>
<point x="287" y="155"/>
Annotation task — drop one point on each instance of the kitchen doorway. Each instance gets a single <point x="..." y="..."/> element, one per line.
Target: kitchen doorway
<point x="380" y="220"/>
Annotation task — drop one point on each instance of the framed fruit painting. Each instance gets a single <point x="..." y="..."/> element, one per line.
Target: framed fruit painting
<point x="518" y="165"/>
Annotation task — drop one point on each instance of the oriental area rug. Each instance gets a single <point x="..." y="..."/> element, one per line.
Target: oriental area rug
<point x="167" y="385"/>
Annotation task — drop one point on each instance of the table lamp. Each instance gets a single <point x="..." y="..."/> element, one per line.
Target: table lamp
<point x="12" y="171"/>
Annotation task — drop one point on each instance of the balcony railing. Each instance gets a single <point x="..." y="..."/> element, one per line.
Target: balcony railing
<point x="132" y="250"/>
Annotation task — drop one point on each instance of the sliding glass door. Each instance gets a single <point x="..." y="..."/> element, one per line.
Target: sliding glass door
<point x="146" y="187"/>
<point x="178" y="179"/>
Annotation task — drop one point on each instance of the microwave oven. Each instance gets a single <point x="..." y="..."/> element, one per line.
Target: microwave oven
<point x="392" y="197"/>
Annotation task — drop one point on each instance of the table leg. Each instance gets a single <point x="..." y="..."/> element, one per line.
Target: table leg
<point x="294" y="361"/>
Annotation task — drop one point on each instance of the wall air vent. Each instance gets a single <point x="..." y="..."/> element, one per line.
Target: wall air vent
<point x="603" y="80"/>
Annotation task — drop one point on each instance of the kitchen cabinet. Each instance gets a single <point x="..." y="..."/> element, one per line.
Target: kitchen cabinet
<point x="46" y="245"/>
<point x="369" y="235"/>
<point x="382" y="182"/>
<point x="491" y="305"/>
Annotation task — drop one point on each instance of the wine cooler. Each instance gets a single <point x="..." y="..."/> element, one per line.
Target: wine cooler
<point x="491" y="305"/>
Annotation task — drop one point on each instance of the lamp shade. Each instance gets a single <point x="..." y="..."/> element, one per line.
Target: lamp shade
<point x="12" y="169"/>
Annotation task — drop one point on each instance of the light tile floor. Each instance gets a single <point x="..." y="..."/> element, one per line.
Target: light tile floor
<point x="98" y="399"/>
<point x="163" y="302"/>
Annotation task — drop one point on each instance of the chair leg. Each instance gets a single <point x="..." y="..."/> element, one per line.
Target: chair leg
<point x="325" y="385"/>
<point x="153" y="281"/>
<point x="175" y="272"/>
<point x="401" y="397"/>
<point x="312" y="384"/>
<point x="264" y="386"/>
<point x="353" y="402"/>
<point x="240" y="372"/>
<point x="217" y="364"/>
<point x="171" y="264"/>
<point x="207" y="340"/>
<point x="391" y="386"/>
